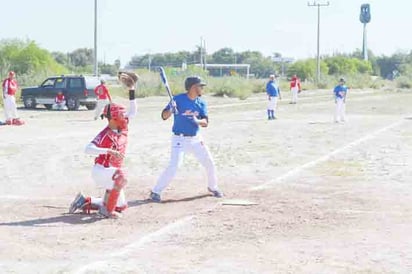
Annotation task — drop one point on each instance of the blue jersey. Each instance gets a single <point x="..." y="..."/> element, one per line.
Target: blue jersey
<point x="272" y="89"/>
<point x="187" y="108"/>
<point x="340" y="91"/>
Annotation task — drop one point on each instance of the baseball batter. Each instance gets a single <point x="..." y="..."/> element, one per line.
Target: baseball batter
<point x="273" y="92"/>
<point x="109" y="147"/>
<point x="10" y="87"/>
<point x="340" y="93"/>
<point x="190" y="112"/>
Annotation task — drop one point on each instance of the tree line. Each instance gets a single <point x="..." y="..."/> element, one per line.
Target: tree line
<point x="32" y="62"/>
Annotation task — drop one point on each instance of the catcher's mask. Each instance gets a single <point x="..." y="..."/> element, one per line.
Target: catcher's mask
<point x="117" y="113"/>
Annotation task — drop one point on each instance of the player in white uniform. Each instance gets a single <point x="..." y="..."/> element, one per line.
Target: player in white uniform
<point x="109" y="147"/>
<point x="340" y="92"/>
<point x="10" y="87"/>
<point x="273" y="93"/>
<point x="190" y="112"/>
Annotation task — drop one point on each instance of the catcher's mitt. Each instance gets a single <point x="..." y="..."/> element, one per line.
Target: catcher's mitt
<point x="129" y="79"/>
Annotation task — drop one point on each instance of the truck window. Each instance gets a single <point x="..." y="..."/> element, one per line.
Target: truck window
<point x="48" y="83"/>
<point x="76" y="83"/>
<point x="60" y="83"/>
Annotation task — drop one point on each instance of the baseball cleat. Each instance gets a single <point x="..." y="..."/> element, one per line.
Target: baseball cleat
<point x="77" y="203"/>
<point x="155" y="197"/>
<point x="216" y="193"/>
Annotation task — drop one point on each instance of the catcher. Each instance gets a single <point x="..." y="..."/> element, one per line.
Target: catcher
<point x="109" y="147"/>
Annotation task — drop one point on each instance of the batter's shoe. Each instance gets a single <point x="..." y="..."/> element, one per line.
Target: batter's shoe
<point x="154" y="197"/>
<point x="78" y="203"/>
<point x="216" y="193"/>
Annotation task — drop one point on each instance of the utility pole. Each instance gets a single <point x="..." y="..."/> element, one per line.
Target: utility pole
<point x="316" y="4"/>
<point x="201" y="52"/>
<point x="96" y="69"/>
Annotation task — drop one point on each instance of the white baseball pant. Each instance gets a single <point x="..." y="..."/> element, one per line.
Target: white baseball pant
<point x="103" y="176"/>
<point x="272" y="103"/>
<point x="340" y="111"/>
<point x="10" y="107"/>
<point x="295" y="91"/>
<point x="180" y="146"/>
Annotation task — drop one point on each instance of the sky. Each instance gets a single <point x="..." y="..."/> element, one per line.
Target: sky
<point x="133" y="27"/>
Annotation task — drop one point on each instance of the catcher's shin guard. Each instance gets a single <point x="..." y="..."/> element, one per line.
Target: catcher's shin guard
<point x="119" y="182"/>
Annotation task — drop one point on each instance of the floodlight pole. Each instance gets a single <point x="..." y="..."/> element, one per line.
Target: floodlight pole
<point x="96" y="69"/>
<point x="315" y="4"/>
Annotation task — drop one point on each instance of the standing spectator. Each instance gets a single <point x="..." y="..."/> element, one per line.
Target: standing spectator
<point x="340" y="92"/>
<point x="103" y="98"/>
<point x="190" y="113"/>
<point x="10" y="87"/>
<point x="59" y="101"/>
<point x="295" y="88"/>
<point x="273" y="92"/>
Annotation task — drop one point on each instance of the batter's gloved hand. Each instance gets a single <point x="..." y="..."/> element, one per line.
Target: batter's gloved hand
<point x="129" y="79"/>
<point x="173" y="107"/>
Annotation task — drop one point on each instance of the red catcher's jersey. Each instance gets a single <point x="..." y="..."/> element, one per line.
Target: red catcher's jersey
<point x="11" y="86"/>
<point x="108" y="138"/>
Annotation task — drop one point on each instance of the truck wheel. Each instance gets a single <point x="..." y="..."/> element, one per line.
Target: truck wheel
<point x="91" y="106"/>
<point x="48" y="106"/>
<point x="29" y="102"/>
<point x="73" y="103"/>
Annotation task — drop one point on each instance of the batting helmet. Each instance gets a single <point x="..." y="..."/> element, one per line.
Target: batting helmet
<point x="193" y="80"/>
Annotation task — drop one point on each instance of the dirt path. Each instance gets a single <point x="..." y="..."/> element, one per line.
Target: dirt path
<point x="330" y="198"/>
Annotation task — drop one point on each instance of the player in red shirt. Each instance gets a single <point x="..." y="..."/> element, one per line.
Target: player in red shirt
<point x="103" y="98"/>
<point x="109" y="147"/>
<point x="59" y="101"/>
<point x="295" y="88"/>
<point x="10" y="87"/>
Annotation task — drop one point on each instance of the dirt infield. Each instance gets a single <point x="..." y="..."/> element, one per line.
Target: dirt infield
<point x="325" y="197"/>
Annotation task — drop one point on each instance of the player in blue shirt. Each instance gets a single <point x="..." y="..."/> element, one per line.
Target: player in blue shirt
<point x="340" y="92"/>
<point x="273" y="92"/>
<point x="189" y="112"/>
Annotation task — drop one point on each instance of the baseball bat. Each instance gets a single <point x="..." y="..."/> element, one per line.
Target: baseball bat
<point x="165" y="82"/>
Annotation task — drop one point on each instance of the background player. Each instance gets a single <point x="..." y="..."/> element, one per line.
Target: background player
<point x="273" y="92"/>
<point x="340" y="92"/>
<point x="190" y="113"/>
<point x="295" y="88"/>
<point x="109" y="147"/>
<point x="103" y="98"/>
<point x="10" y="87"/>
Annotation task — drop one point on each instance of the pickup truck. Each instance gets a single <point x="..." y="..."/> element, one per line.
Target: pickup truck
<point x="78" y="91"/>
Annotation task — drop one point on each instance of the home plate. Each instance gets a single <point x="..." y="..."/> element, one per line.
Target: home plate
<point x="238" y="202"/>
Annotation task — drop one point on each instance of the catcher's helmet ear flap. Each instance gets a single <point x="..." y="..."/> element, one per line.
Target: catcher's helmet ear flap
<point x="193" y="80"/>
<point x="106" y="112"/>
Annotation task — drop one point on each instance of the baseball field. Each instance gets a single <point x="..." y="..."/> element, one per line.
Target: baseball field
<point x="302" y="194"/>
